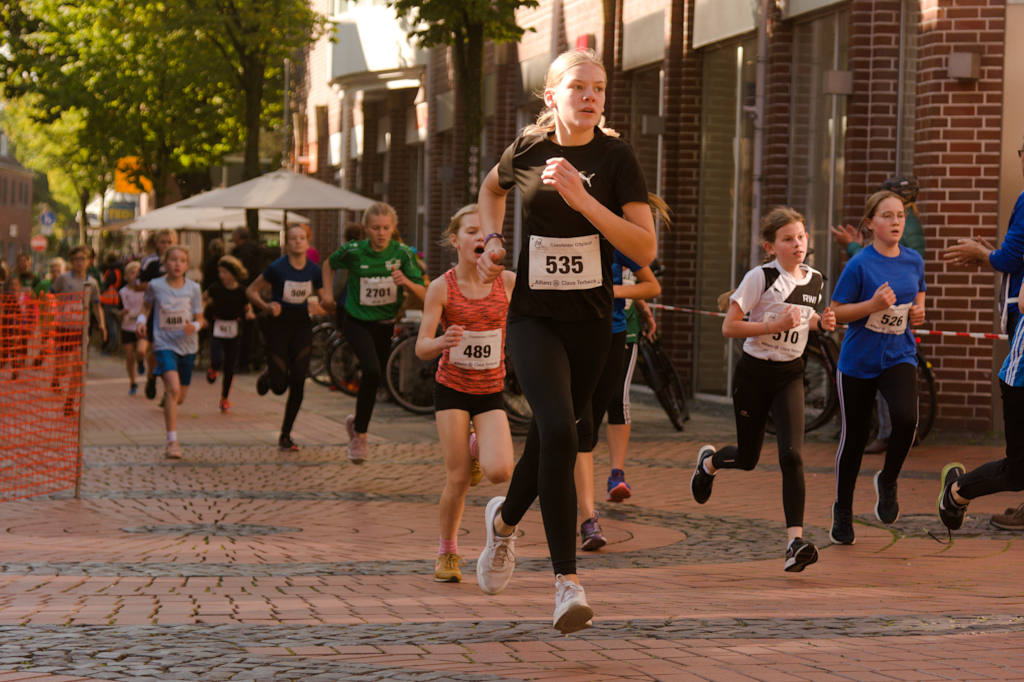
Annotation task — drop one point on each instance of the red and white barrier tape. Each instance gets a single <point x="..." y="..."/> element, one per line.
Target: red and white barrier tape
<point x="919" y="332"/>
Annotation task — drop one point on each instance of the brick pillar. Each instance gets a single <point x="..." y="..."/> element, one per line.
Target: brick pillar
<point x="957" y="161"/>
<point x="775" y="183"/>
<point x="681" y="186"/>
<point x="872" y="110"/>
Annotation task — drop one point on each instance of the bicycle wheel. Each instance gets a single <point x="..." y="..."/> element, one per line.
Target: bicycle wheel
<point x="926" y="397"/>
<point x="661" y="377"/>
<point x="343" y="366"/>
<point x="322" y="334"/>
<point x="409" y="379"/>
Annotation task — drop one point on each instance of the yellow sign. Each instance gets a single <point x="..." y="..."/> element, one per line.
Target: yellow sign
<point x="128" y="178"/>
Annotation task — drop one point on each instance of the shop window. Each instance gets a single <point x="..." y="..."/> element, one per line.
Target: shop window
<point x="818" y="136"/>
<point x="724" y="228"/>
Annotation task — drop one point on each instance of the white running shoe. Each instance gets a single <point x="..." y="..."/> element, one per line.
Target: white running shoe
<point x="572" y="612"/>
<point x="498" y="559"/>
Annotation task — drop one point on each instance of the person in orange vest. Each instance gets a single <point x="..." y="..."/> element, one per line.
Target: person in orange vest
<point x="110" y="300"/>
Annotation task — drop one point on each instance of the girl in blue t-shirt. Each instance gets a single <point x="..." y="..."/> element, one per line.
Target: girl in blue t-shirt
<point x="292" y="280"/>
<point x="880" y="294"/>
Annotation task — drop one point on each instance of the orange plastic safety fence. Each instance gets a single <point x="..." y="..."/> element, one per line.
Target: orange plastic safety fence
<point x="42" y="370"/>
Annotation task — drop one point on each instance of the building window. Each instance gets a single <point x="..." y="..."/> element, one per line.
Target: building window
<point x="724" y="229"/>
<point x="818" y="136"/>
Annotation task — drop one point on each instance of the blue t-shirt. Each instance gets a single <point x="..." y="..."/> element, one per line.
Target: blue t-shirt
<point x="291" y="287"/>
<point x="620" y="261"/>
<point x="172" y="309"/>
<point x="865" y="353"/>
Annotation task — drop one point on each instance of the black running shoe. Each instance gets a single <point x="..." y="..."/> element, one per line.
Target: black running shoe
<point x="141" y="366"/>
<point x="285" y="443"/>
<point x="800" y="554"/>
<point x="842" y="526"/>
<point x="701" y="481"/>
<point x="211" y="375"/>
<point x="950" y="513"/>
<point x="262" y="384"/>
<point x="887" y="507"/>
<point x="151" y="387"/>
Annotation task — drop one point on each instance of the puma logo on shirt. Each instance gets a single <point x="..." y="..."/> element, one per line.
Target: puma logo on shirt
<point x="586" y="177"/>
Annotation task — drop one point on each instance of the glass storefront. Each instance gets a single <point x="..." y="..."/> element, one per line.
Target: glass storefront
<point x="817" y="139"/>
<point x="723" y="252"/>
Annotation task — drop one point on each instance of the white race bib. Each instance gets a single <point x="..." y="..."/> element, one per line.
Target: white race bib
<point x="296" y="292"/>
<point x="377" y="291"/>
<point x="571" y="263"/>
<point x="225" y="329"/>
<point x="477" y="350"/>
<point x="175" y="319"/>
<point x="790" y="342"/>
<point x="892" y="320"/>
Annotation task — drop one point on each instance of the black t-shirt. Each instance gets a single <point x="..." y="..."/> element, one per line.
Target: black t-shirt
<point x="228" y="304"/>
<point x="152" y="267"/>
<point x="571" y="276"/>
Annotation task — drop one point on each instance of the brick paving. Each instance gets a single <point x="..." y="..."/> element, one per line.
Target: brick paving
<point x="240" y="563"/>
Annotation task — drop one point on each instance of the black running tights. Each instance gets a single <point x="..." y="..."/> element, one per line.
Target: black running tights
<point x="611" y="380"/>
<point x="289" y="341"/>
<point x="372" y="343"/>
<point x="898" y="385"/>
<point x="558" y="364"/>
<point x="760" y="388"/>
<point x="224" y="358"/>
<point x="1008" y="473"/>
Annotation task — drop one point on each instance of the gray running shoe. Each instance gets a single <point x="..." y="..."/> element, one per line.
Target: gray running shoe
<point x="572" y="612"/>
<point x="497" y="561"/>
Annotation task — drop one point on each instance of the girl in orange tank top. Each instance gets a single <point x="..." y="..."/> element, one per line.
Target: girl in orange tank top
<point x="470" y="377"/>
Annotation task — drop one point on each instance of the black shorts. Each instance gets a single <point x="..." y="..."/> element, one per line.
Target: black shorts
<point x="128" y="338"/>
<point x="446" y="398"/>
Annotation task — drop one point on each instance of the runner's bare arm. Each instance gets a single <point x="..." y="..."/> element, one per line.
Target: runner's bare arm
<point x="428" y="345"/>
<point x="491" y="208"/>
<point x="735" y="327"/>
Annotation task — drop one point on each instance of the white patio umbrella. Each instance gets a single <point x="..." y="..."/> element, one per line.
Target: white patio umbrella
<point x="281" y="189"/>
<point x="174" y="216"/>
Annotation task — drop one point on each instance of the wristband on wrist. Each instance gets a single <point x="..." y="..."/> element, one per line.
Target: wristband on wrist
<point x="819" y="324"/>
<point x="493" y="235"/>
<point x="140" y="320"/>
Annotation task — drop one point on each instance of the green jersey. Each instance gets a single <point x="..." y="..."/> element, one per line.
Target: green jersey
<point x="371" y="294"/>
<point x="632" y="324"/>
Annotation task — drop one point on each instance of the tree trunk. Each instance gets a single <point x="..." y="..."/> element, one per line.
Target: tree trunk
<point x="83" y="220"/>
<point x="469" y="76"/>
<point x="252" y="75"/>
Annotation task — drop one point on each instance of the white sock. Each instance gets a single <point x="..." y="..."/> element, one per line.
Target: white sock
<point x="172" y="436"/>
<point x="704" y="466"/>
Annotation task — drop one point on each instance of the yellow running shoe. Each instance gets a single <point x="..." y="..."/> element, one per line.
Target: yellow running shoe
<point x="446" y="569"/>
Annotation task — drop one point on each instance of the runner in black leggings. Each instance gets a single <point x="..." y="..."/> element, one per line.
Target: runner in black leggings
<point x="881" y="295"/>
<point x="381" y="269"/>
<point x="229" y="306"/>
<point x="778" y="299"/>
<point x="288" y="332"/>
<point x="583" y="196"/>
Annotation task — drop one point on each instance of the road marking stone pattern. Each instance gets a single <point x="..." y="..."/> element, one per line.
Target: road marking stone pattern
<point x="242" y="562"/>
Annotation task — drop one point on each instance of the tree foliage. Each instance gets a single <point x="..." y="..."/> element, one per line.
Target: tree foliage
<point x="465" y="26"/>
<point x="177" y="83"/>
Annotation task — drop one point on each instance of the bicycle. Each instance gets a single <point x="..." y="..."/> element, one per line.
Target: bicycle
<point x="821" y="392"/>
<point x="409" y="379"/>
<point x="661" y="377"/>
<point x="323" y="333"/>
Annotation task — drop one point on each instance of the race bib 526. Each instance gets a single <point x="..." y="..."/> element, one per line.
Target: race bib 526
<point x="892" y="320"/>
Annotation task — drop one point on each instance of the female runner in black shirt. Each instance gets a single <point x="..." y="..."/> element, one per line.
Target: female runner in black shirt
<point x="583" y="196"/>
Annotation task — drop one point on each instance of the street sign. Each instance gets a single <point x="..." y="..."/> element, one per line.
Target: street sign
<point x="47" y="218"/>
<point x="38" y="242"/>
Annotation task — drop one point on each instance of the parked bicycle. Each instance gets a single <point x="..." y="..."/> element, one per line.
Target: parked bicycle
<point x="821" y="393"/>
<point x="661" y="377"/>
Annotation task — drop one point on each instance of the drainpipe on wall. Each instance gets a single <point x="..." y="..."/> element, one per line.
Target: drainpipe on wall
<point x="758" y="115"/>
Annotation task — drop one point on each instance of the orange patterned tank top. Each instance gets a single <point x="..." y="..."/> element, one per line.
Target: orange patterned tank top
<point x="477" y="364"/>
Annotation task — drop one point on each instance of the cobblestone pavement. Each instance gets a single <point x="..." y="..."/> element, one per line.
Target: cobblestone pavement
<point x="240" y="562"/>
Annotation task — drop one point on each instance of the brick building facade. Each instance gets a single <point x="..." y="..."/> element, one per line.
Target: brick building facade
<point x="854" y="91"/>
<point x="15" y="204"/>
